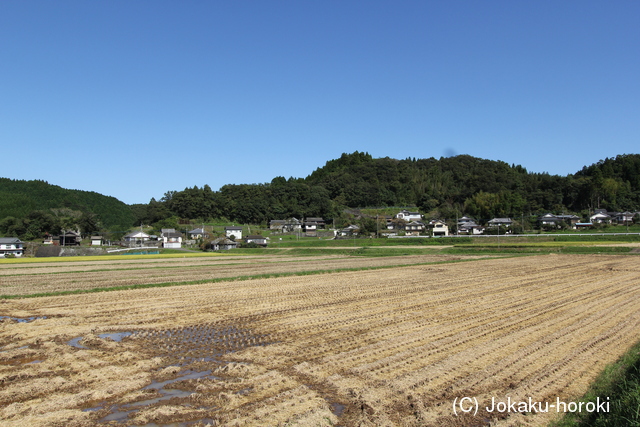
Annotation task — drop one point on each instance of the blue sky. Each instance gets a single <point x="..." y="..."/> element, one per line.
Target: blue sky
<point x="133" y="99"/>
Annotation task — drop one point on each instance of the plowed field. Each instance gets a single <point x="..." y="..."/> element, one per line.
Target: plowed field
<point x="390" y="347"/>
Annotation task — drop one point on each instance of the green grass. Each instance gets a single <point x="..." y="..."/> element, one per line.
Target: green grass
<point x="620" y="382"/>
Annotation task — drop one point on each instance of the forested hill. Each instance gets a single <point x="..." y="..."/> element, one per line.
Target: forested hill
<point x="443" y="187"/>
<point x="19" y="199"/>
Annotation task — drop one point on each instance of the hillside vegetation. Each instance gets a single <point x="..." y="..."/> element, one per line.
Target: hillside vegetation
<point x="444" y="187"/>
<point x="30" y="208"/>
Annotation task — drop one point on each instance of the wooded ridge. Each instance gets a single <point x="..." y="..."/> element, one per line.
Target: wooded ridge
<point x="444" y="188"/>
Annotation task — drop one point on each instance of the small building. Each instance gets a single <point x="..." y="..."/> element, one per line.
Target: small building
<point x="172" y="240"/>
<point x="70" y="238"/>
<point x="136" y="238"/>
<point x="439" y="228"/>
<point x="624" y="217"/>
<point x="468" y="225"/>
<point x="258" y="240"/>
<point x="319" y="221"/>
<point x="97" y="241"/>
<point x="285" y="225"/>
<point x="408" y="215"/>
<point x="500" y="222"/>
<point x="197" y="233"/>
<point x="349" y="231"/>
<point x="600" y="218"/>
<point x="233" y="231"/>
<point x="414" y="228"/>
<point x="552" y="220"/>
<point x="223" y="244"/>
<point x="11" y="246"/>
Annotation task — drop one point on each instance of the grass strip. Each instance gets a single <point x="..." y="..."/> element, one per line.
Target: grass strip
<point x="232" y="279"/>
<point x="620" y="382"/>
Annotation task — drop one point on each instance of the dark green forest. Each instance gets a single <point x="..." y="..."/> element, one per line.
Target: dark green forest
<point x="442" y="188"/>
<point x="31" y="209"/>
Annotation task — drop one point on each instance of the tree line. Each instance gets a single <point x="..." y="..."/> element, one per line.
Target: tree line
<point x="440" y="188"/>
<point x="444" y="188"/>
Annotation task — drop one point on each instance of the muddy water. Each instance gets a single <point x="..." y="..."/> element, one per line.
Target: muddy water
<point x="179" y="347"/>
<point x="22" y="319"/>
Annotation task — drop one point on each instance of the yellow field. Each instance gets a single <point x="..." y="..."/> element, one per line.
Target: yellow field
<point x="391" y="347"/>
<point x="27" y="279"/>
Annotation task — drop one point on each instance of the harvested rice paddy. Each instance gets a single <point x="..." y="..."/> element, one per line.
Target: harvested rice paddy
<point x="395" y="346"/>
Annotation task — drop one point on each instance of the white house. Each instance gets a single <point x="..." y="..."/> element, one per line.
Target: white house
<point x="258" y="240"/>
<point x="600" y="218"/>
<point x="136" y="237"/>
<point x="96" y="240"/>
<point x="172" y="240"/>
<point x="439" y="228"/>
<point x="236" y="232"/>
<point x="11" y="246"/>
<point x="409" y="216"/>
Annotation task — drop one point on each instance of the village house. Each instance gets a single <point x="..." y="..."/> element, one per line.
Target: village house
<point x="320" y="224"/>
<point x="468" y="225"/>
<point x="258" y="240"/>
<point x="500" y="222"/>
<point x="97" y="241"/>
<point x="223" y="244"/>
<point x="197" y="233"/>
<point x="172" y="240"/>
<point x="349" y="231"/>
<point x="414" y="228"/>
<point x="233" y="231"/>
<point x="70" y="238"/>
<point x="408" y="216"/>
<point x="600" y="217"/>
<point x="136" y="238"/>
<point x="11" y="246"/>
<point x="285" y="225"/>
<point x="552" y="220"/>
<point x="623" y="217"/>
<point x="439" y="228"/>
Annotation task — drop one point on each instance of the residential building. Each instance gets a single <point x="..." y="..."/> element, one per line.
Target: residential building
<point x="439" y="228"/>
<point x="172" y="240"/>
<point x="11" y="246"/>
<point x="408" y="216"/>
<point x="258" y="240"/>
<point x="233" y="231"/>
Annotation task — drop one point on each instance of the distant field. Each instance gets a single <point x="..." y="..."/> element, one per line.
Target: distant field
<point x="89" y="273"/>
<point x="388" y="347"/>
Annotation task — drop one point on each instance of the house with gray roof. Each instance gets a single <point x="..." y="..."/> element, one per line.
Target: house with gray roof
<point x="11" y="246"/>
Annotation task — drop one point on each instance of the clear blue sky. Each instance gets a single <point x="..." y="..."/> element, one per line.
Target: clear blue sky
<point x="135" y="98"/>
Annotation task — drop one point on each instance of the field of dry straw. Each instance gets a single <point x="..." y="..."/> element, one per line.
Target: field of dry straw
<point x="389" y="347"/>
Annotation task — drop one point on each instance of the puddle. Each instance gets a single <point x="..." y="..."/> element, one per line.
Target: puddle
<point x="180" y="347"/>
<point x="116" y="336"/>
<point x="192" y="375"/>
<point x="76" y="343"/>
<point x="337" y="409"/>
<point x="17" y="348"/>
<point x="23" y="319"/>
